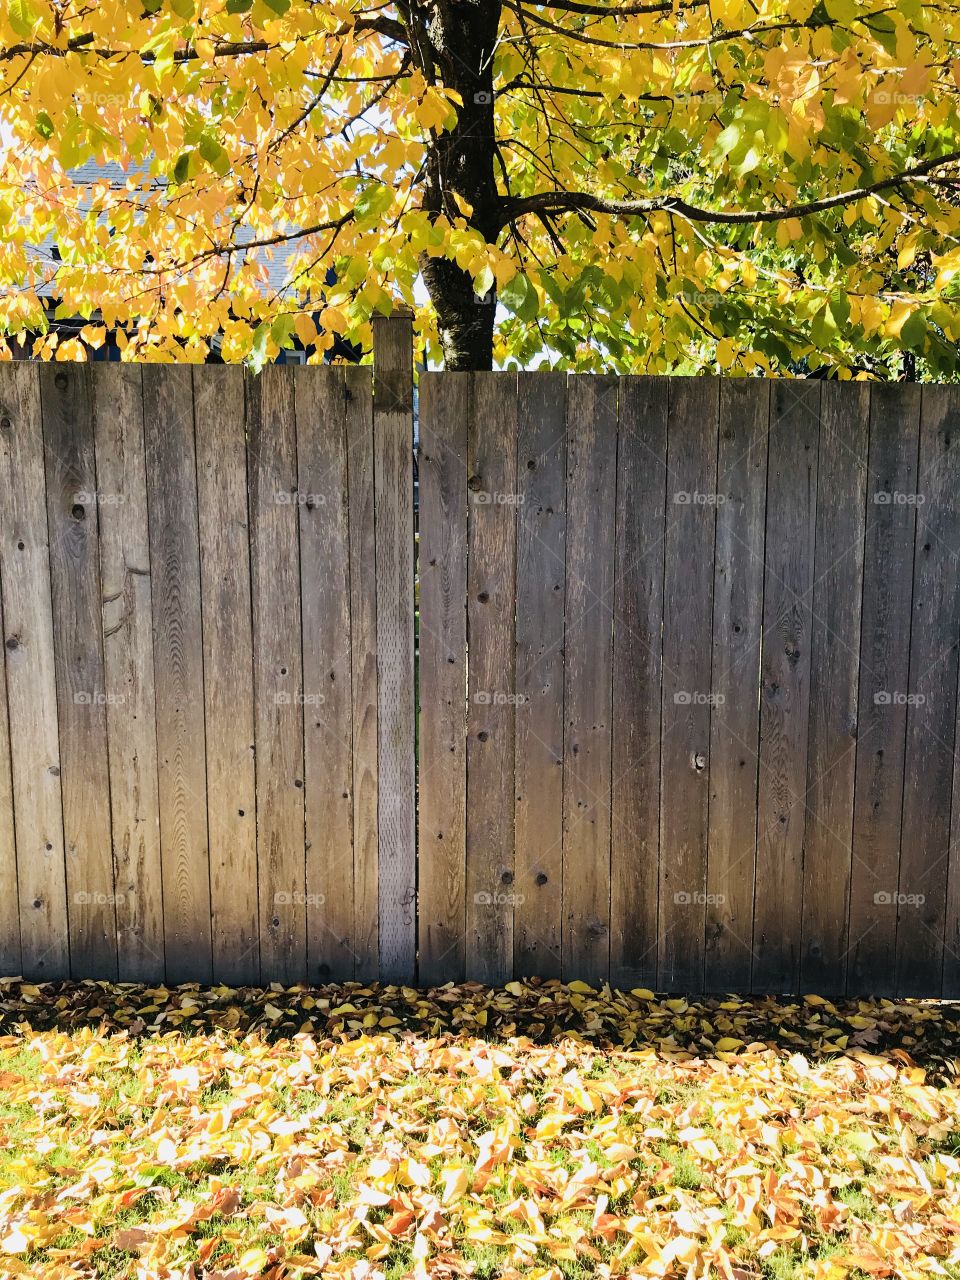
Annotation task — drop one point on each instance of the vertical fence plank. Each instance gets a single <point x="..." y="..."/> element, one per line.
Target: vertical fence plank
<point x="687" y="622"/>
<point x="127" y="619"/>
<point x="358" y="390"/>
<point x="446" y="407"/>
<point x="491" y="576"/>
<point x="228" y="672"/>
<point x="278" y="674"/>
<point x="541" y="554"/>
<point x="932" y="699"/>
<point x="71" y="489"/>
<point x="11" y="959"/>
<point x="884" y="675"/>
<point x="637" y="674"/>
<point x="178" y="670"/>
<point x="588" y="675"/>
<point x="393" y="470"/>
<point x="734" y="711"/>
<point x="31" y="679"/>
<point x="831" y="755"/>
<point x="785" y="683"/>
<point x="327" y="655"/>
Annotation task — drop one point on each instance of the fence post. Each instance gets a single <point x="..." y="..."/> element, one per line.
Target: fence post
<point x="393" y="481"/>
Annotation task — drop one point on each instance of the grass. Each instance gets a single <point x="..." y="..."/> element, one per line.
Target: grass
<point x="546" y="1131"/>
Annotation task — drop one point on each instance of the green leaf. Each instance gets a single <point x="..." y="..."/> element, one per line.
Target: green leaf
<point x="278" y="6"/>
<point x="214" y="154"/>
<point x="258" y="352"/>
<point x="23" y="17"/>
<point x="181" y="170"/>
<point x="374" y="199"/>
<point x="727" y="139"/>
<point x="281" y="331"/>
<point x="183" y="8"/>
<point x="239" y="6"/>
<point x="44" y="125"/>
<point x="520" y="297"/>
<point x="914" y="331"/>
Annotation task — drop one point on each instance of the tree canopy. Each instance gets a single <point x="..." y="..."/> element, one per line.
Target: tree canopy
<point x="743" y="185"/>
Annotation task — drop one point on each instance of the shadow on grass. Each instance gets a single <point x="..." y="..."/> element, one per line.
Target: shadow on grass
<point x="925" y="1033"/>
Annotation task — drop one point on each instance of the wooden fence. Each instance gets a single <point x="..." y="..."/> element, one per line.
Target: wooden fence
<point x="688" y="659"/>
<point x="207" y="595"/>
<point x="709" y="633"/>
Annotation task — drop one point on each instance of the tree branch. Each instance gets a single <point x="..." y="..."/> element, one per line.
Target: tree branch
<point x="583" y="201"/>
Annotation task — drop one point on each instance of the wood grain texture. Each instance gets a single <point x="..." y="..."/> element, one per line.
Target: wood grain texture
<point x="541" y="558"/>
<point x="687" y="622"/>
<point x="446" y="407"/>
<point x="831" y="754"/>
<point x="884" y="677"/>
<point x="127" y="621"/>
<point x="588" y="675"/>
<point x="785" y="684"/>
<point x="278" y="674"/>
<point x="363" y="639"/>
<point x="929" y="754"/>
<point x="637" y="676"/>
<point x="228" y="672"/>
<point x="31" y="678"/>
<point x="734" y="714"/>
<point x="10" y="955"/>
<point x="178" y="670"/>
<point x="72" y="509"/>
<point x="323" y="509"/>
<point x="393" y="472"/>
<point x="491" y="572"/>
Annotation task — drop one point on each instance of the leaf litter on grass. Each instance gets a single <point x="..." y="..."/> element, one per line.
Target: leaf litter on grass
<point x="542" y="1130"/>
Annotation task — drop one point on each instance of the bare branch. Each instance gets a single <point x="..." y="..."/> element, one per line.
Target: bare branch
<point x="580" y="201"/>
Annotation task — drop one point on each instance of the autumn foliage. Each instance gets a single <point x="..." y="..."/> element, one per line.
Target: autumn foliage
<point x="749" y="185"/>
<point x="544" y="1131"/>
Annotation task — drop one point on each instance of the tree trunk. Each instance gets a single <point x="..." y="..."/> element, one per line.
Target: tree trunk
<point x="453" y="43"/>
<point x="464" y="320"/>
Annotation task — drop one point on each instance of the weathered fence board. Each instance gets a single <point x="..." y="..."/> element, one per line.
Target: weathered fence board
<point x="445" y="409"/>
<point x="541" y="558"/>
<point x="831" y="751"/>
<point x="588" y="675"/>
<point x="785" y="683"/>
<point x="884" y="673"/>
<point x="127" y="621"/>
<point x="637" y="674"/>
<point x="397" y="818"/>
<point x="685" y="714"/>
<point x="71" y="480"/>
<point x="227" y="672"/>
<point x="491" y="557"/>
<point x="31" y="679"/>
<point x="734" y="718"/>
